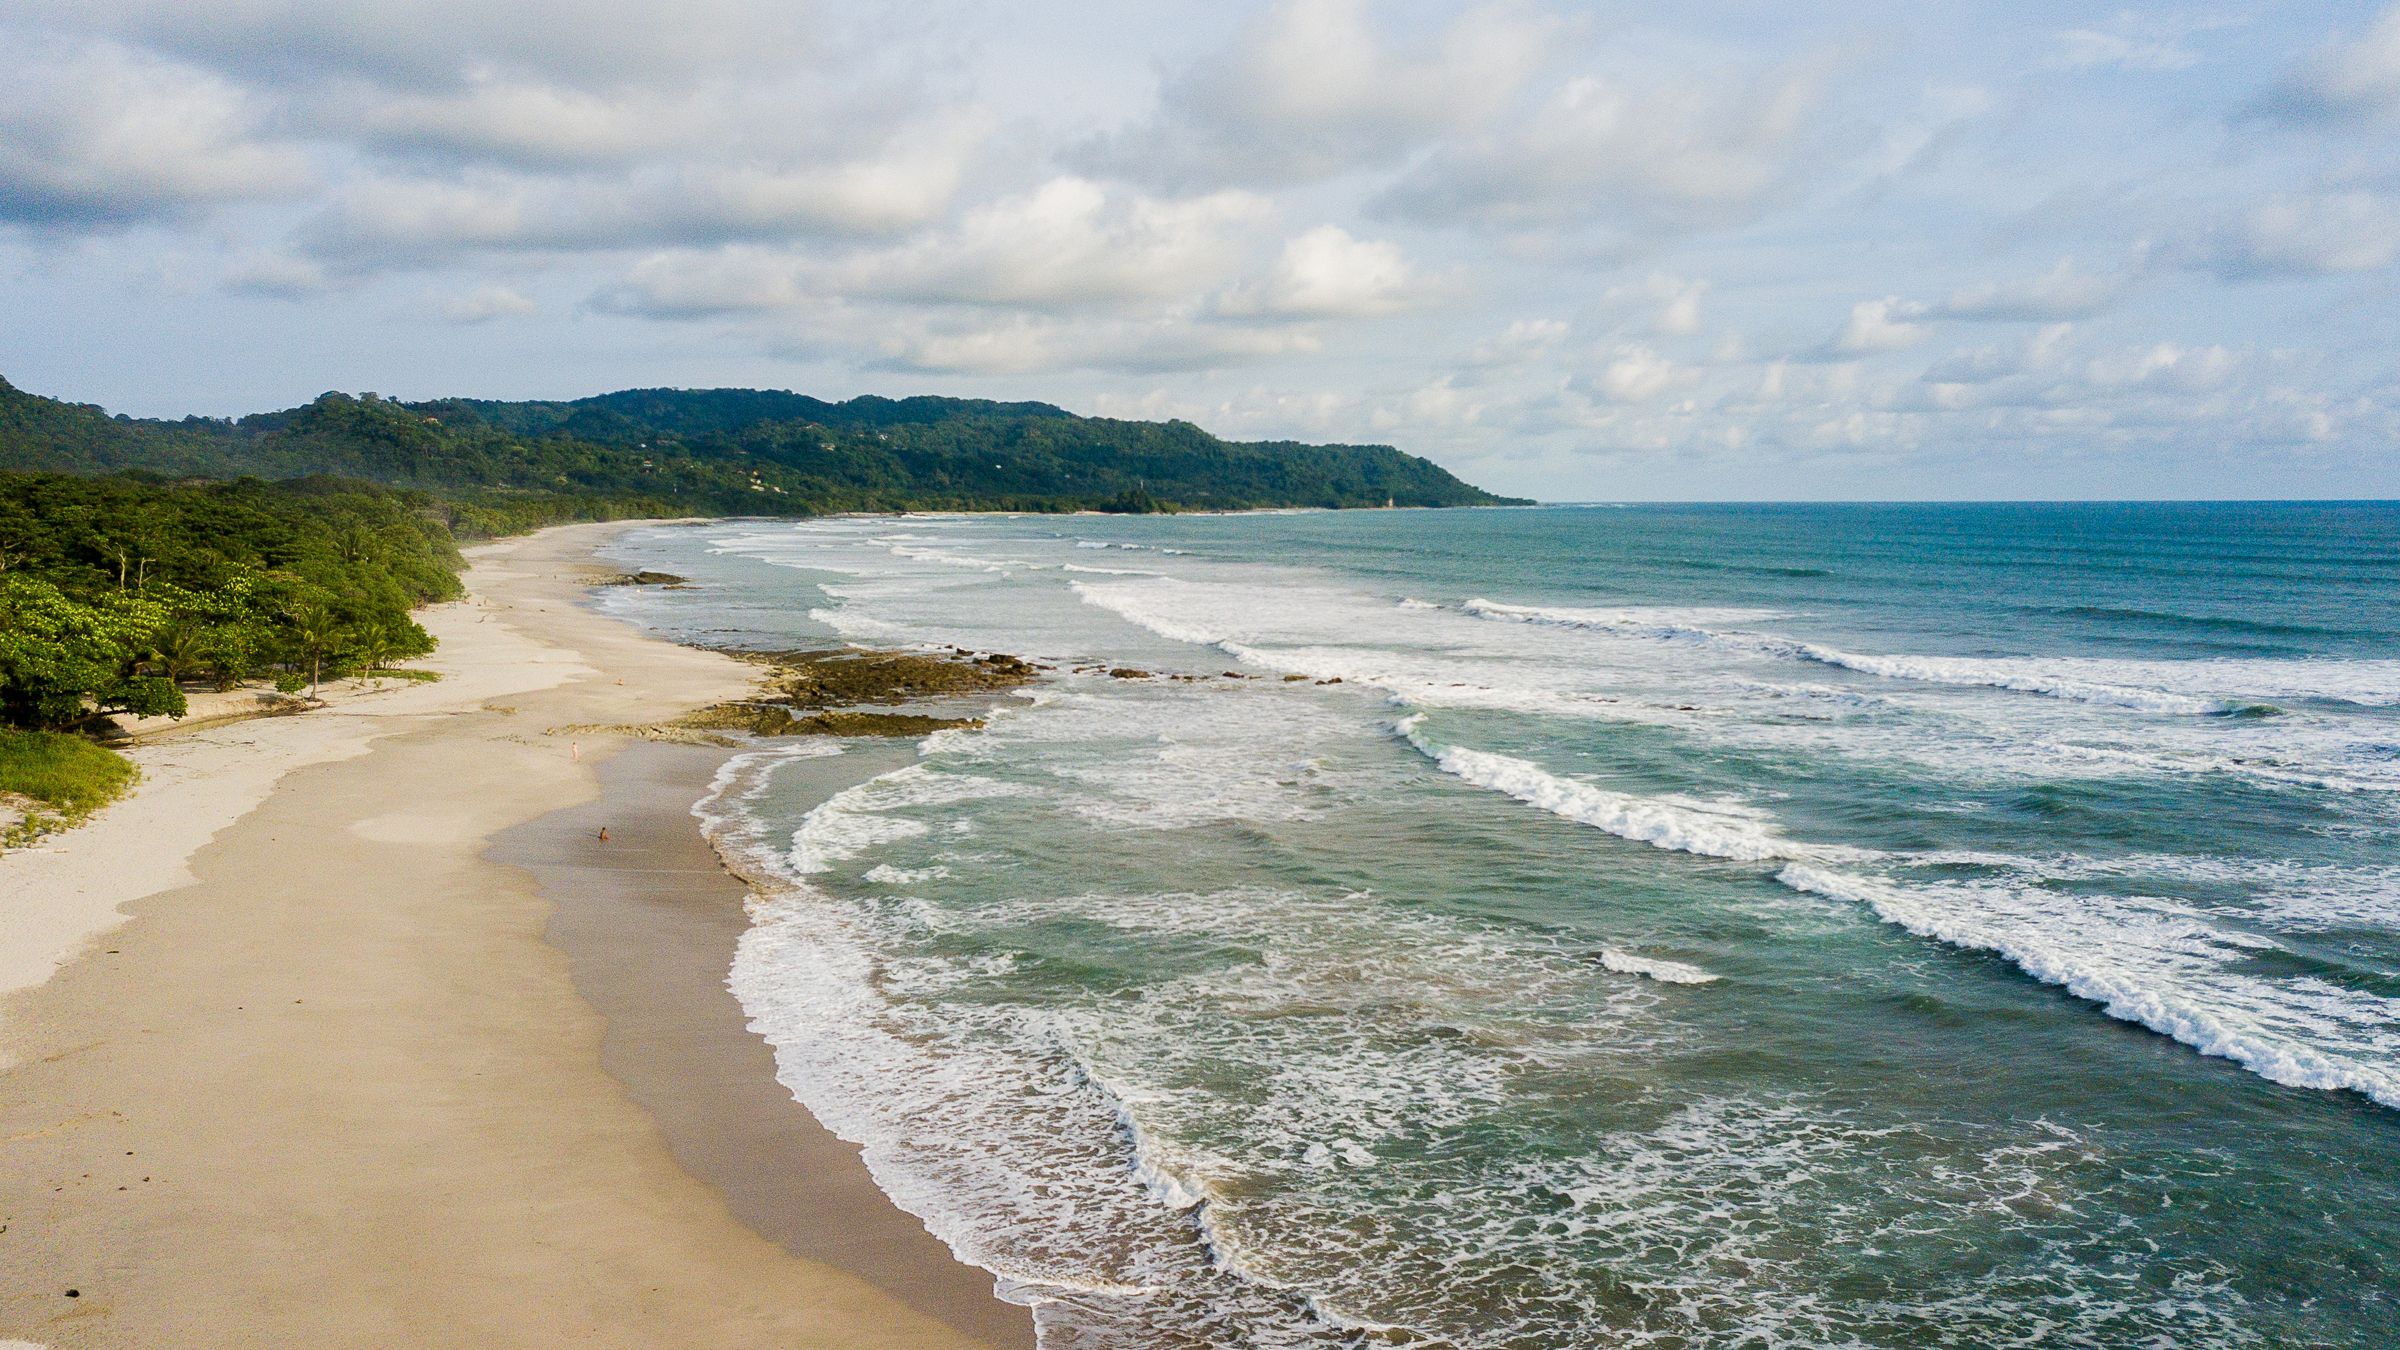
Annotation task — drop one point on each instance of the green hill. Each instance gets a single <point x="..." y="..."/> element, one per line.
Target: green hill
<point x="730" y="452"/>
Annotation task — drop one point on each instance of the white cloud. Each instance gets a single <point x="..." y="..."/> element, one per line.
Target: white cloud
<point x="688" y="283"/>
<point x="1327" y="274"/>
<point x="516" y="123"/>
<point x="1009" y="349"/>
<point x="2164" y="367"/>
<point x="485" y="304"/>
<point x="441" y="42"/>
<point x="2353" y="77"/>
<point x="2077" y="48"/>
<point x="1983" y="365"/>
<point x="1701" y="153"/>
<point x="1440" y="403"/>
<point x="907" y="183"/>
<point x="2311" y="234"/>
<point x="382" y="220"/>
<point x="1311" y="89"/>
<point x="101" y="135"/>
<point x="1677" y="300"/>
<point x="1874" y="326"/>
<point x="1067" y="243"/>
<point x="1635" y="374"/>
<point x="278" y="275"/>
<point x="1524" y="341"/>
<point x="1023" y="345"/>
<point x="2063" y="292"/>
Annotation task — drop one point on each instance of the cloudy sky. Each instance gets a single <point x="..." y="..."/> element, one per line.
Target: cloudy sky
<point x="1581" y="250"/>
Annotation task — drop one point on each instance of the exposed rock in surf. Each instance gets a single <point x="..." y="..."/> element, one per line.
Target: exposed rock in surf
<point x="820" y="693"/>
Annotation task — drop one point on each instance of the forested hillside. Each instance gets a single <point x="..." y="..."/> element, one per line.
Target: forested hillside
<point x="730" y="452"/>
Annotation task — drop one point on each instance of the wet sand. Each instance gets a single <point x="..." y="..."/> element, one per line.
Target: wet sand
<point x="649" y="920"/>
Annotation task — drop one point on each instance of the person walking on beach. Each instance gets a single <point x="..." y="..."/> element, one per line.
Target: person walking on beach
<point x="604" y="834"/>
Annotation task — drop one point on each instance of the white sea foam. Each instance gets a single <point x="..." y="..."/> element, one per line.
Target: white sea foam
<point x="1678" y="828"/>
<point x="1153" y="756"/>
<point x="2078" y="680"/>
<point x="1182" y="612"/>
<point x="1326" y="634"/>
<point x="827" y="837"/>
<point x="887" y="875"/>
<point x="726" y="811"/>
<point x="2053" y="679"/>
<point x="1117" y="600"/>
<point x="1664" y="621"/>
<point x="1050" y="1147"/>
<point x="1657" y="968"/>
<point x="850" y="623"/>
<point x="2160" y="964"/>
<point x="857" y="819"/>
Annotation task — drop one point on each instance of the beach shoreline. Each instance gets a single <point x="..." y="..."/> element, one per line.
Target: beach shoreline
<point x="649" y="922"/>
<point x="286" y="1059"/>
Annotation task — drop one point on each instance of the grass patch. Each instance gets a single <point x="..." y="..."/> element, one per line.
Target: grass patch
<point x="60" y="779"/>
<point x="402" y="673"/>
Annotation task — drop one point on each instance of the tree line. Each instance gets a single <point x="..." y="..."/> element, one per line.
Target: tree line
<point x="117" y="591"/>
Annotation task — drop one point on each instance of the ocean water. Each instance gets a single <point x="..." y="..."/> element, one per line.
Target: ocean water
<point x="1749" y="926"/>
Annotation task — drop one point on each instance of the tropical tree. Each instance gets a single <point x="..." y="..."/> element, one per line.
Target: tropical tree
<point x="180" y="649"/>
<point x="64" y="662"/>
<point x="318" y="634"/>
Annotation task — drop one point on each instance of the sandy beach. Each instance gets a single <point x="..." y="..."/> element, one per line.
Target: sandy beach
<point x="343" y="1031"/>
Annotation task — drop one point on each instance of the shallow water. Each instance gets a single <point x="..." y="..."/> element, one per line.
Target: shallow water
<point x="1760" y="926"/>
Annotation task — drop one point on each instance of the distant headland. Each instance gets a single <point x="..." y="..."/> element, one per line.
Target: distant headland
<point x="501" y="466"/>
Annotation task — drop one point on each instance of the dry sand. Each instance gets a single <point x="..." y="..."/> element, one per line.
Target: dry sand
<point x="329" y="1084"/>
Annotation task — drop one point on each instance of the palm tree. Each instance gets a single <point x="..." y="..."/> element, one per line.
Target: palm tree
<point x="179" y="651"/>
<point x="320" y="635"/>
<point x="374" y="643"/>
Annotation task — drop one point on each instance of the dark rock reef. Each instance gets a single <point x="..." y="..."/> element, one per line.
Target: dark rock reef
<point x="820" y="693"/>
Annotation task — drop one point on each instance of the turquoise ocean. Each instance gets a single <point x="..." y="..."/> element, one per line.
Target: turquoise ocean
<point x="1829" y="926"/>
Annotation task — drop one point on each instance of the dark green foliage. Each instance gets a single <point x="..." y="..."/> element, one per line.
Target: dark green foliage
<point x="1133" y="501"/>
<point x="64" y="661"/>
<point x="500" y="467"/>
<point x="113" y="590"/>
